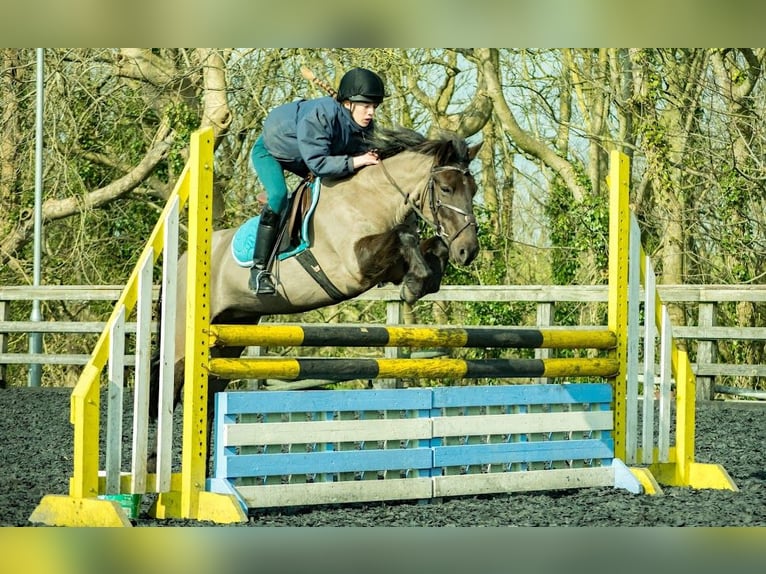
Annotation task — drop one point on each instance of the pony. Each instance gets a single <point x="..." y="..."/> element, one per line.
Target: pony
<point x="364" y="232"/>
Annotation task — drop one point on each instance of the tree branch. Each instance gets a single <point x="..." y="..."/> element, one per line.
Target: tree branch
<point x="216" y="112"/>
<point x="487" y="58"/>
<point x="54" y="209"/>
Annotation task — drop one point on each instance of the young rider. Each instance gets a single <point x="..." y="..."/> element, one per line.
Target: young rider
<point x="325" y="136"/>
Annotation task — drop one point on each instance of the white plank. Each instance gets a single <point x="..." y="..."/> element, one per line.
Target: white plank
<point x="299" y="432"/>
<point x="522" y="423"/>
<point x="167" y="349"/>
<point x="141" y="387"/>
<point x="71" y="327"/>
<point x="491" y="293"/>
<point x="631" y="375"/>
<point x="46" y="359"/>
<point x="273" y="495"/>
<point x="532" y="480"/>
<point x="650" y="339"/>
<point x="115" y="377"/>
<point x="666" y="376"/>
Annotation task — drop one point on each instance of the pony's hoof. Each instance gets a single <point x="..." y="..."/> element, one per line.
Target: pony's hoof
<point x="408" y="296"/>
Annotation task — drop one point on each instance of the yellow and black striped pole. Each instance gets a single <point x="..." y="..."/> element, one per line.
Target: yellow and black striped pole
<point x="340" y="369"/>
<point x="295" y="335"/>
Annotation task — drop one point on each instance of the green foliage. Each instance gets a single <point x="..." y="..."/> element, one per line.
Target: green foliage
<point x="732" y="207"/>
<point x="184" y="120"/>
<point x="120" y="234"/>
<point x="107" y="128"/>
<point x="133" y="226"/>
<point x="654" y="136"/>
<point x="490" y="268"/>
<point x="576" y="227"/>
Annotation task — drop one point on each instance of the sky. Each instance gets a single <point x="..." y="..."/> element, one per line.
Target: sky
<point x="391" y="23"/>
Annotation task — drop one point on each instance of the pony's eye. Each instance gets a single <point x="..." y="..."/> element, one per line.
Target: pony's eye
<point x="445" y="188"/>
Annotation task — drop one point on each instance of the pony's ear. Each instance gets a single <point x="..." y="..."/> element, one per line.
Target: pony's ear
<point x="473" y="150"/>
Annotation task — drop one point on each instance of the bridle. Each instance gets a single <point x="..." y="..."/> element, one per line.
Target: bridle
<point x="436" y="204"/>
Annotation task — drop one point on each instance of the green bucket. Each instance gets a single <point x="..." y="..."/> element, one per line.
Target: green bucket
<point x="129" y="502"/>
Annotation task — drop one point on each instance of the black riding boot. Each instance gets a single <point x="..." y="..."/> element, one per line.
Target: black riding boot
<point x="261" y="281"/>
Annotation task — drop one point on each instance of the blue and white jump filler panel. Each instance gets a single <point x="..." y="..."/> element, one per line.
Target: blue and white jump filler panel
<point x="295" y="448"/>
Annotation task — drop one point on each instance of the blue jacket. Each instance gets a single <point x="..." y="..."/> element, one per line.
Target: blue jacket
<point x="316" y="135"/>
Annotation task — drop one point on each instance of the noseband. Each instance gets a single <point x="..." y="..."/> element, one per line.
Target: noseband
<point x="437" y="204"/>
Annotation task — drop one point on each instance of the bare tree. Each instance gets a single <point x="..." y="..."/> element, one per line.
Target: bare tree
<point x="16" y="142"/>
<point x="113" y="119"/>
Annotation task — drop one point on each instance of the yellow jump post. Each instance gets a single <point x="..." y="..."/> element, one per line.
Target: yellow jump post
<point x="186" y="497"/>
<point x="680" y="469"/>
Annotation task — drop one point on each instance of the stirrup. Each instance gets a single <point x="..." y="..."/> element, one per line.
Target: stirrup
<point x="261" y="282"/>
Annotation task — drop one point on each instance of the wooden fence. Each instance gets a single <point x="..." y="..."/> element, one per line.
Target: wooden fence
<point x="699" y="301"/>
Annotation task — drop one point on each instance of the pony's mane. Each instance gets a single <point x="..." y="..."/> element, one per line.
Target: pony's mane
<point x="447" y="148"/>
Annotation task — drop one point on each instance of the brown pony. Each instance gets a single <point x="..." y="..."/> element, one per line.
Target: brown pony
<point x="364" y="232"/>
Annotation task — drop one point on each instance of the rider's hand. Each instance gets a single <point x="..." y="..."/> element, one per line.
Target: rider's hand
<point x="369" y="158"/>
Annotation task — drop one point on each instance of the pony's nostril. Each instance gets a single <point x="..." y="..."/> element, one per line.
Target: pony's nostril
<point x="467" y="255"/>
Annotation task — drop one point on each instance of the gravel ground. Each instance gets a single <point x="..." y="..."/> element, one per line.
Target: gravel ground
<point x="36" y="456"/>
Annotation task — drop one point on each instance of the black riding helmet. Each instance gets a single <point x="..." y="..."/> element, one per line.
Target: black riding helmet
<point x="361" y="85"/>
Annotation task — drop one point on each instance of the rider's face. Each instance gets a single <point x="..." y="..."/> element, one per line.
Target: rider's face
<point x="362" y="112"/>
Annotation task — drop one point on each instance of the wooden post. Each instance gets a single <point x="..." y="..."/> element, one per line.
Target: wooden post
<point x="544" y="319"/>
<point x="393" y="317"/>
<point x="255" y="351"/>
<point x="707" y="351"/>
<point x="3" y="344"/>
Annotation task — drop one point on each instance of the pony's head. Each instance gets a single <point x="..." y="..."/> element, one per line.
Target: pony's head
<point x="447" y="204"/>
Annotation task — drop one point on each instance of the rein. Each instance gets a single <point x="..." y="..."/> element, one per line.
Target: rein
<point x="435" y="204"/>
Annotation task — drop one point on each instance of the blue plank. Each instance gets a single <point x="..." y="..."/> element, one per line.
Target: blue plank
<point x="221" y="419"/>
<point x="320" y="401"/>
<point x="521" y="395"/>
<point x="326" y="462"/>
<point x="421" y="401"/>
<point x="523" y="452"/>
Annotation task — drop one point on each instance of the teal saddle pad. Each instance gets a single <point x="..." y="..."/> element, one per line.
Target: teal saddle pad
<point x="243" y="242"/>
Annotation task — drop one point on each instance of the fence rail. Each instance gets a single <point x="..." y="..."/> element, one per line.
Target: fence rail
<point x="703" y="338"/>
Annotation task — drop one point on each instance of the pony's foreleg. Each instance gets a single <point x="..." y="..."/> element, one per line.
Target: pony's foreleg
<point x="419" y="275"/>
<point x="397" y="256"/>
<point x="436" y="255"/>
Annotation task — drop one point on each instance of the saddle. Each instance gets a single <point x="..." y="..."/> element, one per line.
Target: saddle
<point x="293" y="236"/>
<point x="293" y="239"/>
